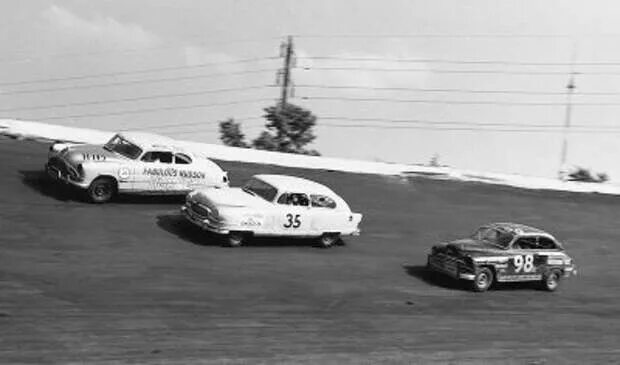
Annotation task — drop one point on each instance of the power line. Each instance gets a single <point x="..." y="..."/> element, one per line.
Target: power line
<point x="61" y="55"/>
<point x="136" y="72"/>
<point x="446" y="71"/>
<point x="138" y="111"/>
<point x="138" y="98"/>
<point x="188" y="124"/>
<point x="133" y="82"/>
<point x="472" y="129"/>
<point x="455" y="62"/>
<point x="440" y="90"/>
<point x="535" y="36"/>
<point x="453" y="102"/>
<point x="467" y="123"/>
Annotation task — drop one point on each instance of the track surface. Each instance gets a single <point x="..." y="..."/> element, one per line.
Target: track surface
<point x="131" y="282"/>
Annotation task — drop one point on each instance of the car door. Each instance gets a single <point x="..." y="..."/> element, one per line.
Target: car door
<point x="188" y="179"/>
<point x="293" y="216"/>
<point x="157" y="173"/>
<point x="525" y="262"/>
<point x="325" y="216"/>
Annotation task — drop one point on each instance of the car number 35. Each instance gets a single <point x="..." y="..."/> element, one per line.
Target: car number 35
<point x="292" y="221"/>
<point x="524" y="262"/>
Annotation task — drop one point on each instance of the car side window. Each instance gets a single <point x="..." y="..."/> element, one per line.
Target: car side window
<point x="545" y="243"/>
<point x="297" y="199"/>
<point x="182" y="159"/>
<point x="526" y="243"/>
<point x="322" y="201"/>
<point x="157" y="156"/>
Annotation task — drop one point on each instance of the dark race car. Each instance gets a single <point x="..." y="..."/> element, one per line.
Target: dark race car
<point x="503" y="252"/>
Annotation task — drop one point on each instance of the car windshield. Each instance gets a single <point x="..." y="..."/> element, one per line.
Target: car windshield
<point x="260" y="188"/>
<point x="493" y="236"/>
<point x="123" y="147"/>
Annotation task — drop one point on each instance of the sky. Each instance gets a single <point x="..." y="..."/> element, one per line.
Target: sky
<point x="479" y="84"/>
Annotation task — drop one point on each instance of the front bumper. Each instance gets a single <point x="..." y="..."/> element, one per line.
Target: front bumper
<point x="448" y="266"/>
<point x="63" y="173"/>
<point x="204" y="223"/>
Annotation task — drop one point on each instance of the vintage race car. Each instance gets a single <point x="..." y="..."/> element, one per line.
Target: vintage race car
<point x="503" y="252"/>
<point x="132" y="162"/>
<point x="273" y="205"/>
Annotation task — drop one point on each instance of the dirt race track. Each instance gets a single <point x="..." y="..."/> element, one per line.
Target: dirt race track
<point x="131" y="282"/>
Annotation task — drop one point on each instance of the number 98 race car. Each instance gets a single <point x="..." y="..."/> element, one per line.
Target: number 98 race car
<point x="132" y="162"/>
<point x="273" y="205"/>
<point x="503" y="252"/>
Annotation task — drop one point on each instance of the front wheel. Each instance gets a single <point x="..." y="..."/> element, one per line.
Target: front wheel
<point x="235" y="239"/>
<point x="483" y="279"/>
<point x="329" y="239"/>
<point x="101" y="190"/>
<point x="551" y="281"/>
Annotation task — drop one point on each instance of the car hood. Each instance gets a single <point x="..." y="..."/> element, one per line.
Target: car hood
<point x="472" y="247"/>
<point x="89" y="152"/>
<point x="228" y="197"/>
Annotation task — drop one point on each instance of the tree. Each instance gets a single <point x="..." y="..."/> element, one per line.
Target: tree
<point x="231" y="135"/>
<point x="585" y="175"/>
<point x="289" y="129"/>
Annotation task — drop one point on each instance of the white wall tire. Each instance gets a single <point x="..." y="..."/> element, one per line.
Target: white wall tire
<point x="551" y="280"/>
<point x="482" y="280"/>
<point x="102" y="190"/>
<point x="235" y="238"/>
<point x="329" y="239"/>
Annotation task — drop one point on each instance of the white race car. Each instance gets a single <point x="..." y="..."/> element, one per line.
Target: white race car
<point x="132" y="162"/>
<point x="273" y="205"/>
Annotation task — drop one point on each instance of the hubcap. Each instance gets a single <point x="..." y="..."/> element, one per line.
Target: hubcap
<point x="552" y="281"/>
<point x="482" y="280"/>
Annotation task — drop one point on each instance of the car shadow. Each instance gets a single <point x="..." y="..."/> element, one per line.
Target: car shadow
<point x="39" y="181"/>
<point x="436" y="279"/>
<point x="180" y="227"/>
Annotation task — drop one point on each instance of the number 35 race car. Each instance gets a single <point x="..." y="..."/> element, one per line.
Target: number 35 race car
<point x="273" y="205"/>
<point x="132" y="162"/>
<point x="503" y="252"/>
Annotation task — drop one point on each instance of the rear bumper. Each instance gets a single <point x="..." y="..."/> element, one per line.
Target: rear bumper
<point x="448" y="266"/>
<point x="203" y="223"/>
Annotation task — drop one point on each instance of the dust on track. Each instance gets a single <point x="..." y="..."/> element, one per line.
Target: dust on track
<point x="131" y="282"/>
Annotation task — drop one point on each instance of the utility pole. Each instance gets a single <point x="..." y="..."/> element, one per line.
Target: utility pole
<point x="570" y="89"/>
<point x="284" y="75"/>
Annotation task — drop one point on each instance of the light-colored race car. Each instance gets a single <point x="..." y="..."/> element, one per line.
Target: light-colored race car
<point x="273" y="205"/>
<point x="503" y="252"/>
<point x="132" y="162"/>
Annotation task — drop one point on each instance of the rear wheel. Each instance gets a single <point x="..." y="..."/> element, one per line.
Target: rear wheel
<point x="483" y="279"/>
<point x="329" y="239"/>
<point x="551" y="280"/>
<point x="102" y="190"/>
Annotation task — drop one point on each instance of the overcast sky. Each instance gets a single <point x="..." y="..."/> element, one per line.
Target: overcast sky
<point x="448" y="74"/>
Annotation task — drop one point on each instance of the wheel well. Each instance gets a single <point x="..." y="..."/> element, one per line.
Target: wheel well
<point x="492" y="268"/>
<point x="107" y="177"/>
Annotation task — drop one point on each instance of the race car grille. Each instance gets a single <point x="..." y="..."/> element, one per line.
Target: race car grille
<point x="64" y="168"/>
<point x="199" y="210"/>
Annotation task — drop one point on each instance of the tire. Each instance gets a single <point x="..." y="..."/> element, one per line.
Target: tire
<point x="101" y="190"/>
<point x="235" y="239"/>
<point x="482" y="280"/>
<point x="329" y="239"/>
<point x="551" y="280"/>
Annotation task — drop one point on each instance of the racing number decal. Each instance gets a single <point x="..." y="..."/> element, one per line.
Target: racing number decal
<point x="292" y="221"/>
<point x="525" y="263"/>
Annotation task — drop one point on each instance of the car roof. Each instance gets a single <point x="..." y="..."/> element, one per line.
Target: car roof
<point x="516" y="228"/>
<point x="146" y="140"/>
<point x="294" y="183"/>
